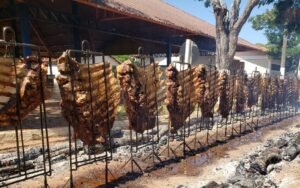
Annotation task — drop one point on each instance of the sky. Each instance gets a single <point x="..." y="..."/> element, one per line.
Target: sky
<point x="196" y="8"/>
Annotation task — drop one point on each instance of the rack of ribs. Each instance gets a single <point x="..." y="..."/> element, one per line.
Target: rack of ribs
<point x="274" y="94"/>
<point x="266" y="93"/>
<point x="141" y="91"/>
<point x="208" y="94"/>
<point x="90" y="98"/>
<point x="282" y="93"/>
<point x="226" y="90"/>
<point x="241" y="91"/>
<point x="292" y="90"/>
<point x="254" y="89"/>
<point x="29" y="88"/>
<point x="181" y="95"/>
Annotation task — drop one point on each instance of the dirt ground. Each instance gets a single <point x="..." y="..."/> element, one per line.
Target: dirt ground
<point x="218" y="164"/>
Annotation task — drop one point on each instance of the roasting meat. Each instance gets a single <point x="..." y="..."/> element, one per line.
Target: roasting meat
<point x="201" y="75"/>
<point x="292" y="90"/>
<point x="181" y="95"/>
<point x="30" y="88"/>
<point x="90" y="97"/>
<point x="254" y="86"/>
<point x="266" y="93"/>
<point x="281" y="99"/>
<point x="208" y="94"/>
<point x="226" y="91"/>
<point x="241" y="93"/>
<point x="141" y="90"/>
<point x="274" y="94"/>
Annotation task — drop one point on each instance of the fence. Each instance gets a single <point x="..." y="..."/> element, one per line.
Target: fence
<point x="89" y="94"/>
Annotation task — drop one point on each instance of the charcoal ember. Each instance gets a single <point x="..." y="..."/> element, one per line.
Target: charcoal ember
<point x="31" y="84"/>
<point x="141" y="90"/>
<point x="90" y="98"/>
<point x="181" y="95"/>
<point x="208" y="92"/>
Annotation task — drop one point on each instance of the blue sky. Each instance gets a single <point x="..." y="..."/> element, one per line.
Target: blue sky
<point x="198" y="9"/>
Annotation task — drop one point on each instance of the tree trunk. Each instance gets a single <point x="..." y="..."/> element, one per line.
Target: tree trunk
<point x="222" y="39"/>
<point x="225" y="47"/>
<point x="222" y="51"/>
<point x="298" y="70"/>
<point x="228" y="27"/>
<point x="283" y="52"/>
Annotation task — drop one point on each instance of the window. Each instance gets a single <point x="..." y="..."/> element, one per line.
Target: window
<point x="275" y="67"/>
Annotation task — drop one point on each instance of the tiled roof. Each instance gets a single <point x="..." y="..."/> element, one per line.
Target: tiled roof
<point x="159" y="12"/>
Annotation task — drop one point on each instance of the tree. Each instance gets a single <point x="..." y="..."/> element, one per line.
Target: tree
<point x="228" y="26"/>
<point x="281" y="28"/>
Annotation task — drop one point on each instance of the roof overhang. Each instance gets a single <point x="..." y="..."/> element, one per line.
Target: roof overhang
<point x="111" y="26"/>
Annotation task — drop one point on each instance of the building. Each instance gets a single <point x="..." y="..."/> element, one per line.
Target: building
<point x="117" y="27"/>
<point x="249" y="60"/>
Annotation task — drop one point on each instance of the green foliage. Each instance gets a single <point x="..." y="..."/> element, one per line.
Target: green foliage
<point x="137" y="63"/>
<point x="288" y="12"/>
<point x="274" y="23"/>
<point x="121" y="58"/>
<point x="265" y="2"/>
<point x="207" y="3"/>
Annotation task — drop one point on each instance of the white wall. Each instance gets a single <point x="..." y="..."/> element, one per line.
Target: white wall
<point x="255" y="60"/>
<point x="207" y="60"/>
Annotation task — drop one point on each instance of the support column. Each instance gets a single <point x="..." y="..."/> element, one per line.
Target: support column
<point x="169" y="53"/>
<point x="188" y="49"/>
<point x="50" y="77"/>
<point x="76" y="31"/>
<point x="25" y="28"/>
<point x="50" y="66"/>
<point x="14" y="23"/>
